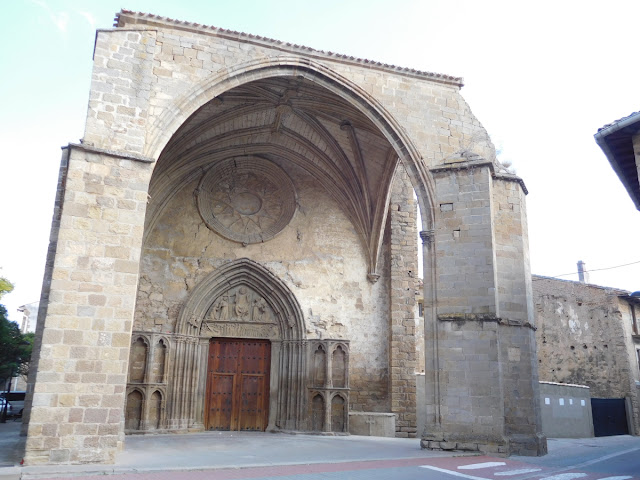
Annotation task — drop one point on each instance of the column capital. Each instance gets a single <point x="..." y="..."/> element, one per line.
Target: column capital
<point x="427" y="237"/>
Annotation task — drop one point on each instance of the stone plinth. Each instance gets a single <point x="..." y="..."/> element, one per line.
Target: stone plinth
<point x="372" y="424"/>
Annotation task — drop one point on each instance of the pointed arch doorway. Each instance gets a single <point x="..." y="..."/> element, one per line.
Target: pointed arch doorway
<point x="237" y="393"/>
<point x="241" y="356"/>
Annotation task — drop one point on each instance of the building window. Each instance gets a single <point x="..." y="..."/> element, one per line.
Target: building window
<point x="634" y="319"/>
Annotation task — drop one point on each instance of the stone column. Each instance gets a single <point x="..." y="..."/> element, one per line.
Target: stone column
<point x="432" y="429"/>
<point x="90" y="283"/>
<point x="404" y="284"/>
<point x="275" y="395"/>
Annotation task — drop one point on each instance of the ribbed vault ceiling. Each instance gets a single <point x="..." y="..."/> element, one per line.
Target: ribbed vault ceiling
<point x="294" y="120"/>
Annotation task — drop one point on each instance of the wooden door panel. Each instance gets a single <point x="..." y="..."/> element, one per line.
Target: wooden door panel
<point x="251" y="402"/>
<point x="255" y="357"/>
<point x="238" y="384"/>
<point x="227" y="359"/>
<point x="220" y="401"/>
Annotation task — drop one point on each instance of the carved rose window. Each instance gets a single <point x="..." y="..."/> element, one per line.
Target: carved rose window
<point x="247" y="200"/>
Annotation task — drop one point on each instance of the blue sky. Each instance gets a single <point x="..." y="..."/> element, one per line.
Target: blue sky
<point x="541" y="76"/>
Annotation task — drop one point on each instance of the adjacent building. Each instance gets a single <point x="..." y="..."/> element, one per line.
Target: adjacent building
<point x="29" y="318"/>
<point x="589" y="335"/>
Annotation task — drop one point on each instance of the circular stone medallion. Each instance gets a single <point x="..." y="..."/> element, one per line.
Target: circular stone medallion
<point x="247" y="200"/>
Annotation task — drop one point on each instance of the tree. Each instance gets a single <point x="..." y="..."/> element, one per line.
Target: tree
<point x="15" y="347"/>
<point x="5" y="286"/>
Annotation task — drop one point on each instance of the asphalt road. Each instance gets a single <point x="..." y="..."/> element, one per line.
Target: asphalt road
<point x="623" y="466"/>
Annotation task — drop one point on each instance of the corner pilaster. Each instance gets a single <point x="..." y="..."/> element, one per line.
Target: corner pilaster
<point x="90" y="288"/>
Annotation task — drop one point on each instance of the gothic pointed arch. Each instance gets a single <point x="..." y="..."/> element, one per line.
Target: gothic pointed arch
<point x="184" y="106"/>
<point x="338" y="144"/>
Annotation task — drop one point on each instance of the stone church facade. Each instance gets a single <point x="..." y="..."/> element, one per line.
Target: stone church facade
<point x="234" y="247"/>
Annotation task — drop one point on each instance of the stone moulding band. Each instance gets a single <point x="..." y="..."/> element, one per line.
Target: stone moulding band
<point x="507" y="177"/>
<point x="483" y="317"/>
<point x="469" y="317"/>
<point x="462" y="166"/>
<point x="111" y="153"/>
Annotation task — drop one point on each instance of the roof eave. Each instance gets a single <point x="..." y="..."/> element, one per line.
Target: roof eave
<point x="601" y="139"/>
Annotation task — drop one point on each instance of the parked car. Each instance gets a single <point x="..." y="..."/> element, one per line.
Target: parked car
<point x="9" y="407"/>
<point x="16" y="399"/>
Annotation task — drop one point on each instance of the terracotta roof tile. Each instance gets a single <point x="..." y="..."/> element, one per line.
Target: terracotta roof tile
<point x="618" y="121"/>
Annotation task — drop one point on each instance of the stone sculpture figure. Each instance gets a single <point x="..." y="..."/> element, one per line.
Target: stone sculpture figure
<point x="242" y="304"/>
<point x="221" y="309"/>
<point x="259" y="310"/>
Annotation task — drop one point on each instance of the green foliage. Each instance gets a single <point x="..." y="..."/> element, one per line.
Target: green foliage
<point x="5" y="286"/>
<point x="15" y="348"/>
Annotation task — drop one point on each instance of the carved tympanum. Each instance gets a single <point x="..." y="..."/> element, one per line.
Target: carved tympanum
<point x="247" y="200"/>
<point x="240" y="311"/>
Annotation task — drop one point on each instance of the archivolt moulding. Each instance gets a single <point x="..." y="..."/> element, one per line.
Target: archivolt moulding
<point x="285" y="307"/>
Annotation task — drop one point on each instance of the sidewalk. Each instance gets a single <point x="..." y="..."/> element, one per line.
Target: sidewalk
<point x="232" y="455"/>
<point x="220" y="450"/>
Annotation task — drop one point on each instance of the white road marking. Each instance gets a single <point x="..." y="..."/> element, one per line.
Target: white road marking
<point x="565" y="476"/>
<point x="522" y="471"/>
<point x="478" y="466"/>
<point x="452" y="472"/>
<point x="579" y="466"/>
<point x="616" y="478"/>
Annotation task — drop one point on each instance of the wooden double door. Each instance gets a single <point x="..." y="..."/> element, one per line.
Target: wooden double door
<point x="238" y="384"/>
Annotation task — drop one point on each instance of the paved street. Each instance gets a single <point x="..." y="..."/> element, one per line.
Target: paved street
<point x="234" y="455"/>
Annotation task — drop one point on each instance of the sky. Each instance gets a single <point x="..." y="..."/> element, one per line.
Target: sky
<point x="542" y="77"/>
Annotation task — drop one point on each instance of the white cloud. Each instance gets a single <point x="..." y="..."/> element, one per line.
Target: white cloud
<point x="59" y="19"/>
<point x="89" y="18"/>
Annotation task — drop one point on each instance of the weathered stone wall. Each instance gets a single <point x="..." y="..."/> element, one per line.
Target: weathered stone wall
<point x="583" y="338"/>
<point x="150" y="57"/>
<point x="630" y="312"/>
<point x="404" y="282"/>
<point x="324" y="267"/>
<point x="464" y="240"/>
